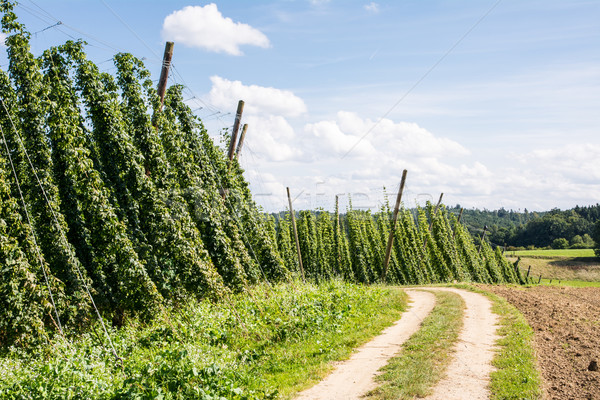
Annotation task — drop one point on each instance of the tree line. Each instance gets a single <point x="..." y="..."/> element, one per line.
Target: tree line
<point x="573" y="228"/>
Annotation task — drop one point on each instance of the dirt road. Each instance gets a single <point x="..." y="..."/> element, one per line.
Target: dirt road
<point x="354" y="377"/>
<point x="467" y="375"/>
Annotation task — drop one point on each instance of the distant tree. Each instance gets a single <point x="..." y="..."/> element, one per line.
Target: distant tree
<point x="596" y="237"/>
<point x="560" y="243"/>
<point x="588" y="241"/>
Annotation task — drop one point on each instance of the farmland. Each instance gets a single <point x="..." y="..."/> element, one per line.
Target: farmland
<point x="134" y="262"/>
<point x="578" y="265"/>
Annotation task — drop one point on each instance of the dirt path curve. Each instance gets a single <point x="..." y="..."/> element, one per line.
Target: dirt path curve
<point x="468" y="374"/>
<point x="354" y="377"/>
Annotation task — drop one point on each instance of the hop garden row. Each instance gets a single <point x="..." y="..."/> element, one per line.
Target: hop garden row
<point x="111" y="200"/>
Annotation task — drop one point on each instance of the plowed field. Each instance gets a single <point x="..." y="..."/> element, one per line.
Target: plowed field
<point x="566" y="322"/>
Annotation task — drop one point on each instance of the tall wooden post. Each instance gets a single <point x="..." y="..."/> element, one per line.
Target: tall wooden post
<point x="437" y="206"/>
<point x="457" y="222"/>
<point x="296" y="234"/>
<point x="236" y="128"/>
<point x="164" y="72"/>
<point x="388" y="250"/>
<point x="238" y="149"/>
<point x="482" y="238"/>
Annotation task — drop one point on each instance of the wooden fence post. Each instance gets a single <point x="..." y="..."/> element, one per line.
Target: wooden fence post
<point x="296" y="234"/>
<point x="164" y="72"/>
<point x="388" y="250"/>
<point x="527" y="277"/>
<point x="236" y="127"/>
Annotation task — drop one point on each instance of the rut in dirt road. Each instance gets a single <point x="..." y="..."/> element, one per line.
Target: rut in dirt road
<point x="468" y="374"/>
<point x="354" y="377"/>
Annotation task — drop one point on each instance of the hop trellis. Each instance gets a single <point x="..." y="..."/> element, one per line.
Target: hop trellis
<point x="123" y="196"/>
<point x="111" y="202"/>
<point x="420" y="254"/>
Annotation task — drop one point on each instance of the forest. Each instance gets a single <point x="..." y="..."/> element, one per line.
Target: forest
<point x="574" y="228"/>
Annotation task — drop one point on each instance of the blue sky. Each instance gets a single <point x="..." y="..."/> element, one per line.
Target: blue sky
<point x="494" y="103"/>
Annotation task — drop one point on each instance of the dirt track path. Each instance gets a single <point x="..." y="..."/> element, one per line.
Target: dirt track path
<point x="467" y="375"/>
<point x="354" y="377"/>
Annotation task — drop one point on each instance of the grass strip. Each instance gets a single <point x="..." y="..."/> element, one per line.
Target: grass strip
<point x="517" y="376"/>
<point x="424" y="358"/>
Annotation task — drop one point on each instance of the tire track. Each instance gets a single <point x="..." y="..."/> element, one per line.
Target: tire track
<point x="354" y="377"/>
<point x="468" y="374"/>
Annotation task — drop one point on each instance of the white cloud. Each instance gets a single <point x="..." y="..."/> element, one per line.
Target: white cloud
<point x="258" y="99"/>
<point x="407" y="139"/>
<point x="578" y="163"/>
<point x="372" y="7"/>
<point x="332" y="140"/>
<point x="2" y="38"/>
<point x="206" y="28"/>
<point x="272" y="138"/>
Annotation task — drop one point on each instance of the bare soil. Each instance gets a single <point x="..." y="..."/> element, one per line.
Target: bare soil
<point x="566" y="322"/>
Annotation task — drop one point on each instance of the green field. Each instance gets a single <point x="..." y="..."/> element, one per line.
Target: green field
<point x="570" y="267"/>
<point x="567" y="253"/>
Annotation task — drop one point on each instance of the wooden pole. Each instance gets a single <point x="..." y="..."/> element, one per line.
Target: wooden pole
<point x="437" y="206"/>
<point x="238" y="149"/>
<point x="164" y="72"/>
<point x="388" y="250"/>
<point x="296" y="234"/>
<point x="433" y="216"/>
<point x="482" y="238"/>
<point x="236" y="128"/>
<point x="337" y="209"/>
<point x="457" y="222"/>
<point x="527" y="277"/>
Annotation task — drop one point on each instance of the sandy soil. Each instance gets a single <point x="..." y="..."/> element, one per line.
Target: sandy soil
<point x="566" y="322"/>
<point x="354" y="377"/>
<point x="468" y="375"/>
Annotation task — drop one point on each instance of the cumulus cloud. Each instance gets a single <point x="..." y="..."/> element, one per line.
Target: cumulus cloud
<point x="573" y="162"/>
<point x="206" y="28"/>
<point x="355" y="157"/>
<point x="405" y="138"/>
<point x="372" y="7"/>
<point x="258" y="99"/>
<point x="333" y="140"/>
<point x="272" y="138"/>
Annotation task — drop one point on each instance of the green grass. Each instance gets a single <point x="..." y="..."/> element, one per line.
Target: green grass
<point x="567" y="253"/>
<point x="560" y="267"/>
<point x="517" y="376"/>
<point x="425" y="356"/>
<point x="265" y="344"/>
<point x="557" y="282"/>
